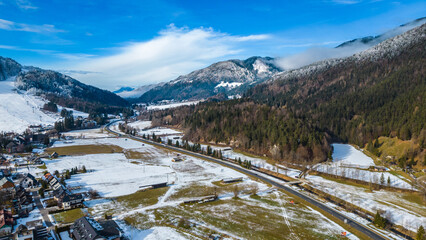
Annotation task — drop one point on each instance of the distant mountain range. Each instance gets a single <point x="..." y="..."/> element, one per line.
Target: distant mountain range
<point x="58" y="87"/>
<point x="296" y="114"/>
<point x="234" y="77"/>
<point x="230" y="77"/>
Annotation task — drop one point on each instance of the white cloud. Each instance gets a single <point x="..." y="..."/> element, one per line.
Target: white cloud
<point x="175" y="51"/>
<point x="312" y="55"/>
<point x="346" y="1"/>
<point x="317" y="53"/>
<point x="23" y="27"/>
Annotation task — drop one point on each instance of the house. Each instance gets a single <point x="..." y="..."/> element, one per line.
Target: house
<point x="23" y="202"/>
<point x="6" y="222"/>
<point x="87" y="228"/>
<point x="14" y="147"/>
<point x="28" y="181"/>
<point x="23" y="233"/>
<point x="6" y="184"/>
<point x="378" y="168"/>
<point x="52" y="180"/>
<point x="54" y="155"/>
<point x="70" y="201"/>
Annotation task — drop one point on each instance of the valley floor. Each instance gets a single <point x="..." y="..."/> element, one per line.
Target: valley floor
<point x="118" y="167"/>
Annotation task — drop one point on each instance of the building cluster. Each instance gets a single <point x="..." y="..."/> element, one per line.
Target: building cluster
<point x="65" y="199"/>
<point x="19" y="143"/>
<point x="16" y="202"/>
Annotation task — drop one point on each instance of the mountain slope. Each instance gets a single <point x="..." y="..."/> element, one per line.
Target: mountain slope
<point x="229" y="77"/>
<point x="374" y="40"/>
<point x="294" y="116"/>
<point x="24" y="91"/>
<point x="8" y="68"/>
<point x="64" y="89"/>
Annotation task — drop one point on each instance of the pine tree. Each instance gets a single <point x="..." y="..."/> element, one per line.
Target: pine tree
<point x="83" y="169"/>
<point x="389" y="181"/>
<point x="382" y="179"/>
<point x="421" y="233"/>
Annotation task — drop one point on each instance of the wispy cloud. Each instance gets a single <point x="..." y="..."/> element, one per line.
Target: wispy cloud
<point x="25" y="5"/>
<point x="23" y="27"/>
<point x="346" y="1"/>
<point x="175" y="51"/>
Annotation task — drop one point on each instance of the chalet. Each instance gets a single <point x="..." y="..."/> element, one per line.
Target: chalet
<point x="28" y="181"/>
<point x="6" y="184"/>
<point x="6" y="222"/>
<point x="88" y="229"/>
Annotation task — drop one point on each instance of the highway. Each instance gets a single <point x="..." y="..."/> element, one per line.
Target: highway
<point x="350" y="222"/>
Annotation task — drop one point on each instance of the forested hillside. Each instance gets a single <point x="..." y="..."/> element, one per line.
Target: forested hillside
<point x="379" y="92"/>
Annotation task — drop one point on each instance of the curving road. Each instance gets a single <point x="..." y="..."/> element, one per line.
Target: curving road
<point x="350" y="222"/>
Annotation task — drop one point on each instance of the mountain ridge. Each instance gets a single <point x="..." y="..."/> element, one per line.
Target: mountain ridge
<point x="229" y="77"/>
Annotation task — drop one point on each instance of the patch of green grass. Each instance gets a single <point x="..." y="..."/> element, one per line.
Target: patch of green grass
<point x="68" y="216"/>
<point x="42" y="166"/>
<point x="85" y="149"/>
<point x="414" y="198"/>
<point x="347" y="182"/>
<point x="250" y="221"/>
<point x="142" y="198"/>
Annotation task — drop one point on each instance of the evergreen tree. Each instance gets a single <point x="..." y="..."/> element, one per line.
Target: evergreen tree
<point x="382" y="179"/>
<point x="389" y="181"/>
<point x="421" y="233"/>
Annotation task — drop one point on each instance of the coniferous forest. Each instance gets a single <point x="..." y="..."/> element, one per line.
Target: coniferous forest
<point x="296" y="118"/>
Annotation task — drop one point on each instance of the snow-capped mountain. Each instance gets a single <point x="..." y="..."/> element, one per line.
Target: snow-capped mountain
<point x="229" y="77"/>
<point x="386" y="49"/>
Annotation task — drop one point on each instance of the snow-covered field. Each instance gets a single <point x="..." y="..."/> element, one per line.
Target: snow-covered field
<point x="171" y="105"/>
<point x="140" y="124"/>
<point x="348" y="155"/>
<point x="19" y="110"/>
<point x="395" y="208"/>
<point x="111" y="175"/>
<point x="363" y="175"/>
<point x="159" y="131"/>
<point x="87" y="133"/>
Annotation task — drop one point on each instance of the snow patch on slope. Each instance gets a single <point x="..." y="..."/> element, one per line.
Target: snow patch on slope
<point x="19" y="110"/>
<point x="229" y="85"/>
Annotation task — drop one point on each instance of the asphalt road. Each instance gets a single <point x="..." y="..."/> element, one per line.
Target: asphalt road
<point x="368" y="232"/>
<point x="43" y="211"/>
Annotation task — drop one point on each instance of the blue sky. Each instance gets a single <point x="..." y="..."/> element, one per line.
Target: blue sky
<point x="113" y="43"/>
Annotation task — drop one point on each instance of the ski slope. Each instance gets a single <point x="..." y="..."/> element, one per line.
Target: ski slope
<point x="19" y="110"/>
